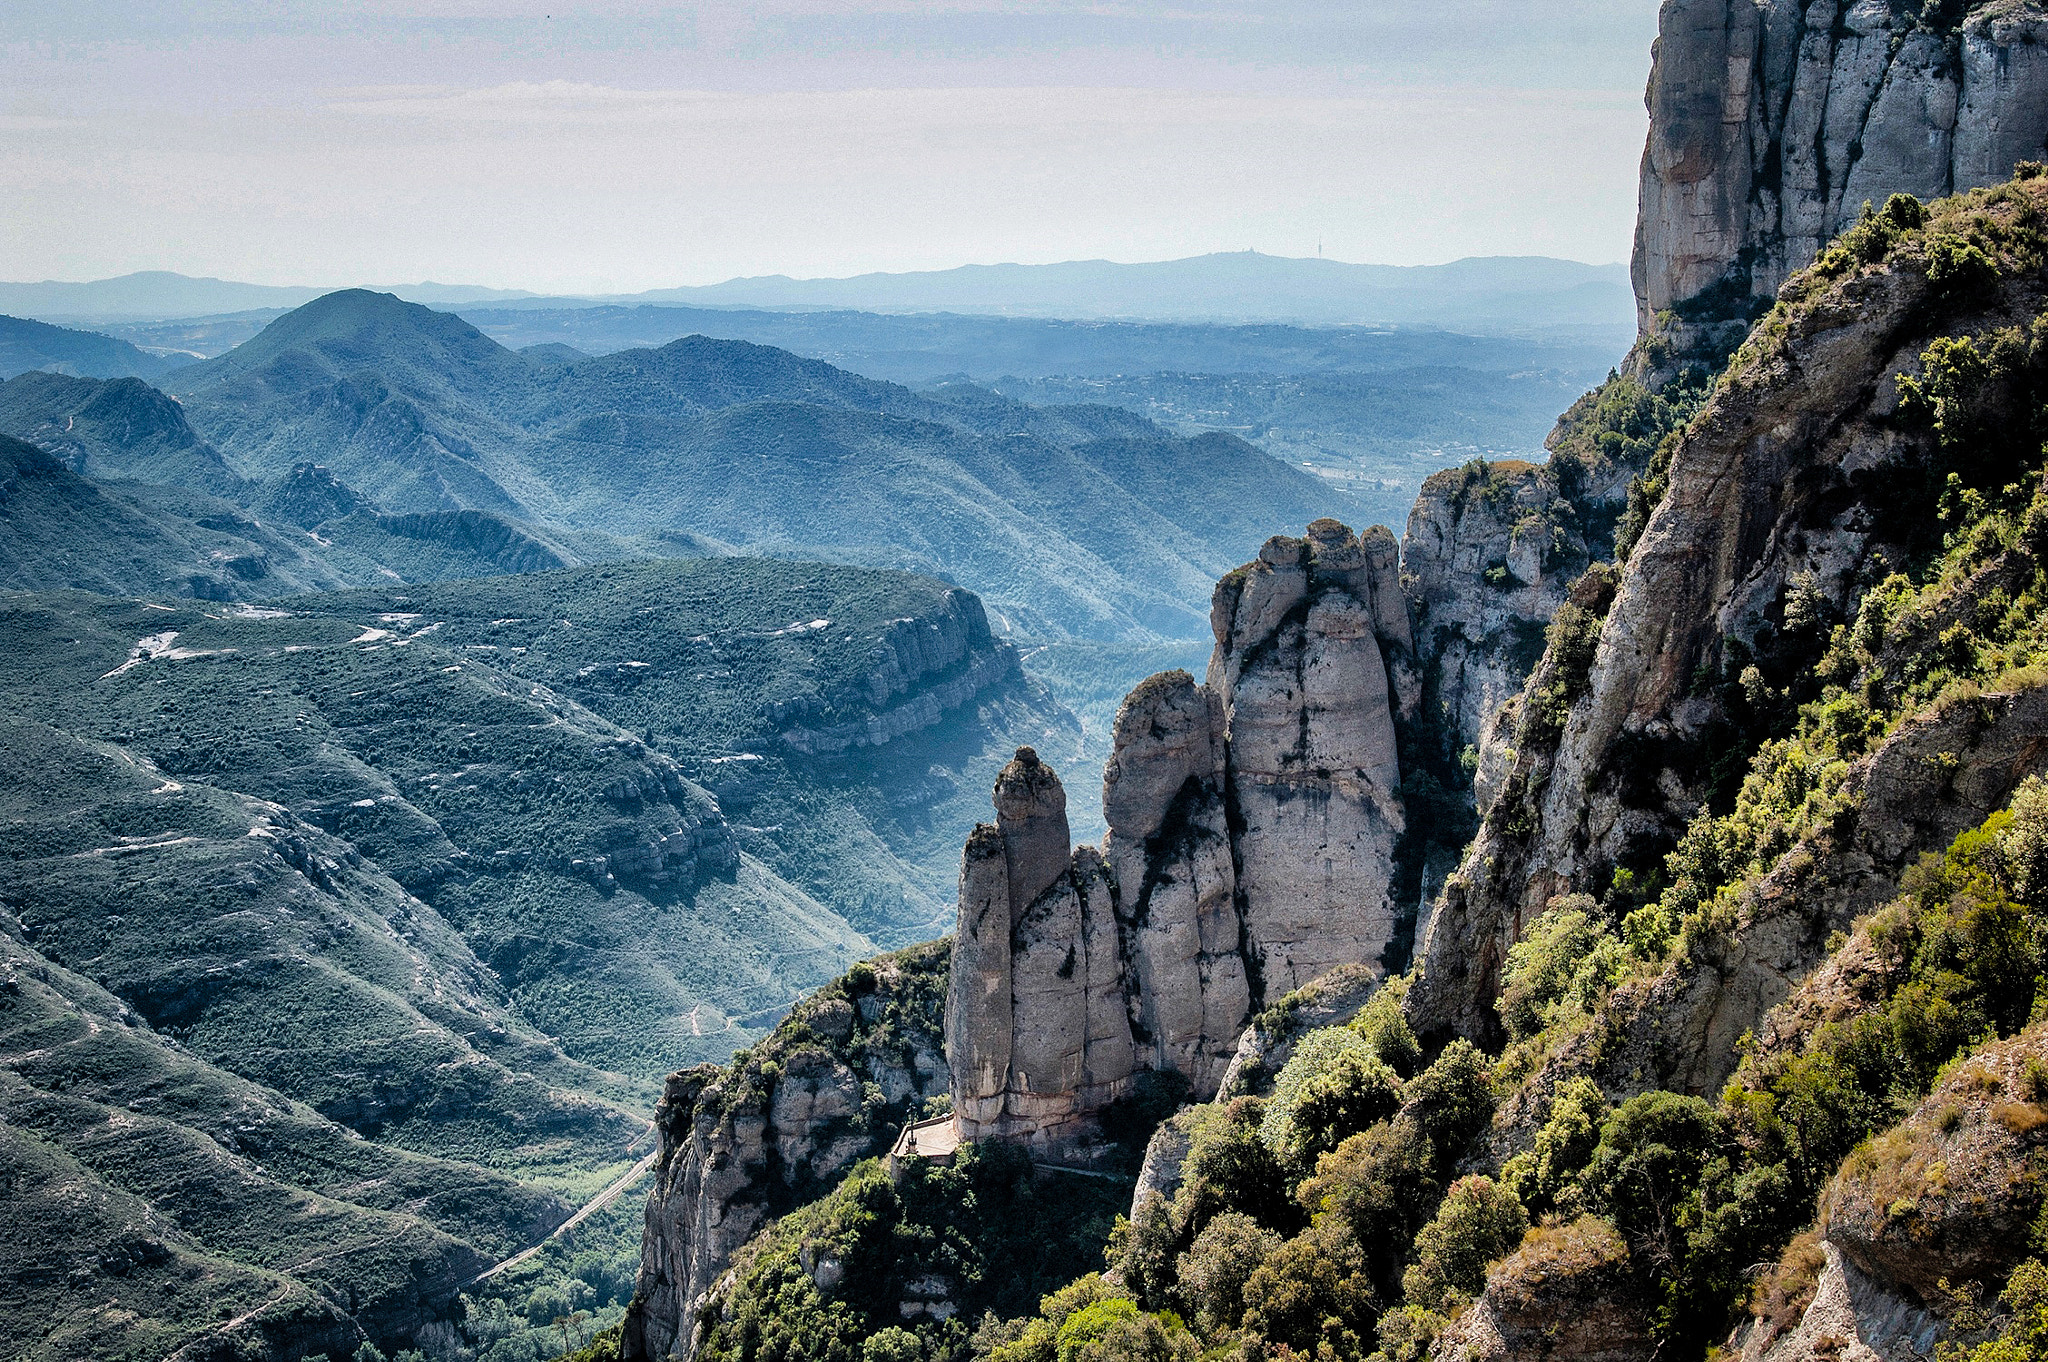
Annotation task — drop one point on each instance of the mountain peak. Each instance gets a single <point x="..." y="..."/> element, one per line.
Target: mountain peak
<point x="360" y="327"/>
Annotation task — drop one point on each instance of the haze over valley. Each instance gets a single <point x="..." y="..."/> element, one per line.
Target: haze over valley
<point x="1038" y="682"/>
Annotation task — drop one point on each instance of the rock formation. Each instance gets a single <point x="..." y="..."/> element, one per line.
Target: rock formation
<point x="921" y="670"/>
<point x="1966" y="1156"/>
<point x="1252" y="824"/>
<point x="1775" y="489"/>
<point x="743" y="1144"/>
<point x="1489" y="552"/>
<point x="1036" y="1030"/>
<point x="1566" y="1292"/>
<point x="1772" y="122"/>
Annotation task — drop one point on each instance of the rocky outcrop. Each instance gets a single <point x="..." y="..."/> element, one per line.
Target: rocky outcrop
<point x="1772" y="122"/>
<point x="1489" y="553"/>
<point x="1567" y="1292"/>
<point x="493" y="542"/>
<point x="1945" y="1197"/>
<point x="1851" y="1317"/>
<point x="1313" y="657"/>
<point x="310" y="494"/>
<point x="1940" y="775"/>
<point x="1780" y="486"/>
<point x="118" y="428"/>
<point x="1037" y="1032"/>
<point x="1252" y="824"/>
<point x="920" y="671"/>
<point x="743" y="1144"/>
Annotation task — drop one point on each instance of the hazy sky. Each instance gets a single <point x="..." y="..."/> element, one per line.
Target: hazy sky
<point x="618" y="146"/>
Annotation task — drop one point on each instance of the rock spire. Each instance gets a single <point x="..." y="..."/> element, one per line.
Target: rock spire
<point x="1252" y="825"/>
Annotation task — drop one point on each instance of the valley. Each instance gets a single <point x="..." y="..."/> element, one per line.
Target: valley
<point x="1234" y="809"/>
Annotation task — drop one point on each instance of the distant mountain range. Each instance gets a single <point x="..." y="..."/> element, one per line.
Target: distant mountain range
<point x="923" y="347"/>
<point x="1501" y="293"/>
<point x="160" y="293"/>
<point x="1072" y="521"/>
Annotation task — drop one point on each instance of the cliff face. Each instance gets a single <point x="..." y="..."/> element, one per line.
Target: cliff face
<point x="918" y="672"/>
<point x="1489" y="553"/>
<point x="1774" y="121"/>
<point x="778" y="1126"/>
<point x="1783" y="507"/>
<point x="1252" y="824"/>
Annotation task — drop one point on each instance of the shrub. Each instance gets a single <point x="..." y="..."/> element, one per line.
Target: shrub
<point x="1407" y="1332"/>
<point x="2023" y="844"/>
<point x="1141" y="1338"/>
<point x="1333" y="1086"/>
<point x="1039" y="1340"/>
<point x="1570" y="645"/>
<point x="1148" y="1242"/>
<point x="1383" y="1026"/>
<point x="1567" y="958"/>
<point x="1089" y="1323"/>
<point x="892" y="1345"/>
<point x="1312" y="1291"/>
<point x="1229" y="1167"/>
<point x="1381" y="1183"/>
<point x="1546" y="1177"/>
<point x="1479" y="1223"/>
<point x="1652" y="1152"/>
<point x="1453" y="1099"/>
<point x="1213" y="1273"/>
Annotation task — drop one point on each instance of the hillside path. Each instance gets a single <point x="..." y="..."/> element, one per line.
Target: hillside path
<point x="590" y="1208"/>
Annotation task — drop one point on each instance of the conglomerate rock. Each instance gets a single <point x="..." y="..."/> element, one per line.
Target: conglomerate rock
<point x="1772" y="122"/>
<point x="1252" y="824"/>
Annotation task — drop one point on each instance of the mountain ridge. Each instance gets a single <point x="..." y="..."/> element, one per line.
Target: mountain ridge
<point x="1514" y="291"/>
<point x="759" y="449"/>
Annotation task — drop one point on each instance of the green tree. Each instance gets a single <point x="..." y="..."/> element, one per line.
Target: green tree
<point x="1313" y="1291"/>
<point x="1479" y="1223"/>
<point x="1214" y="1271"/>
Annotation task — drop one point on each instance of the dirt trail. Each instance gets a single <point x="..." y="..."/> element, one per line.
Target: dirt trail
<point x="590" y="1208"/>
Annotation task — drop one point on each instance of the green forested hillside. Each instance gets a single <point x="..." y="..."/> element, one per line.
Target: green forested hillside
<point x="123" y="429"/>
<point x="31" y="345"/>
<point x="347" y="946"/>
<point x="61" y="530"/>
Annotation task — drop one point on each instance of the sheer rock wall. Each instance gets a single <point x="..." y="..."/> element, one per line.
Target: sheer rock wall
<point x="1773" y="121"/>
<point x="1252" y="825"/>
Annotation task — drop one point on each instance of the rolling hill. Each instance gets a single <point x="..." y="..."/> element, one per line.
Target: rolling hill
<point x="27" y="345"/>
<point x="1070" y="521"/>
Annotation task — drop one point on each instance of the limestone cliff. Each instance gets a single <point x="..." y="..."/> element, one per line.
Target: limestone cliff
<point x="1772" y="122"/>
<point x="778" y="1126"/>
<point x="920" y="670"/>
<point x="1252" y="825"/>
<point x="1785" y="502"/>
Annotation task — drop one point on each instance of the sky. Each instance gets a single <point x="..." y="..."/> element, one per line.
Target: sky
<point x="613" y="146"/>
